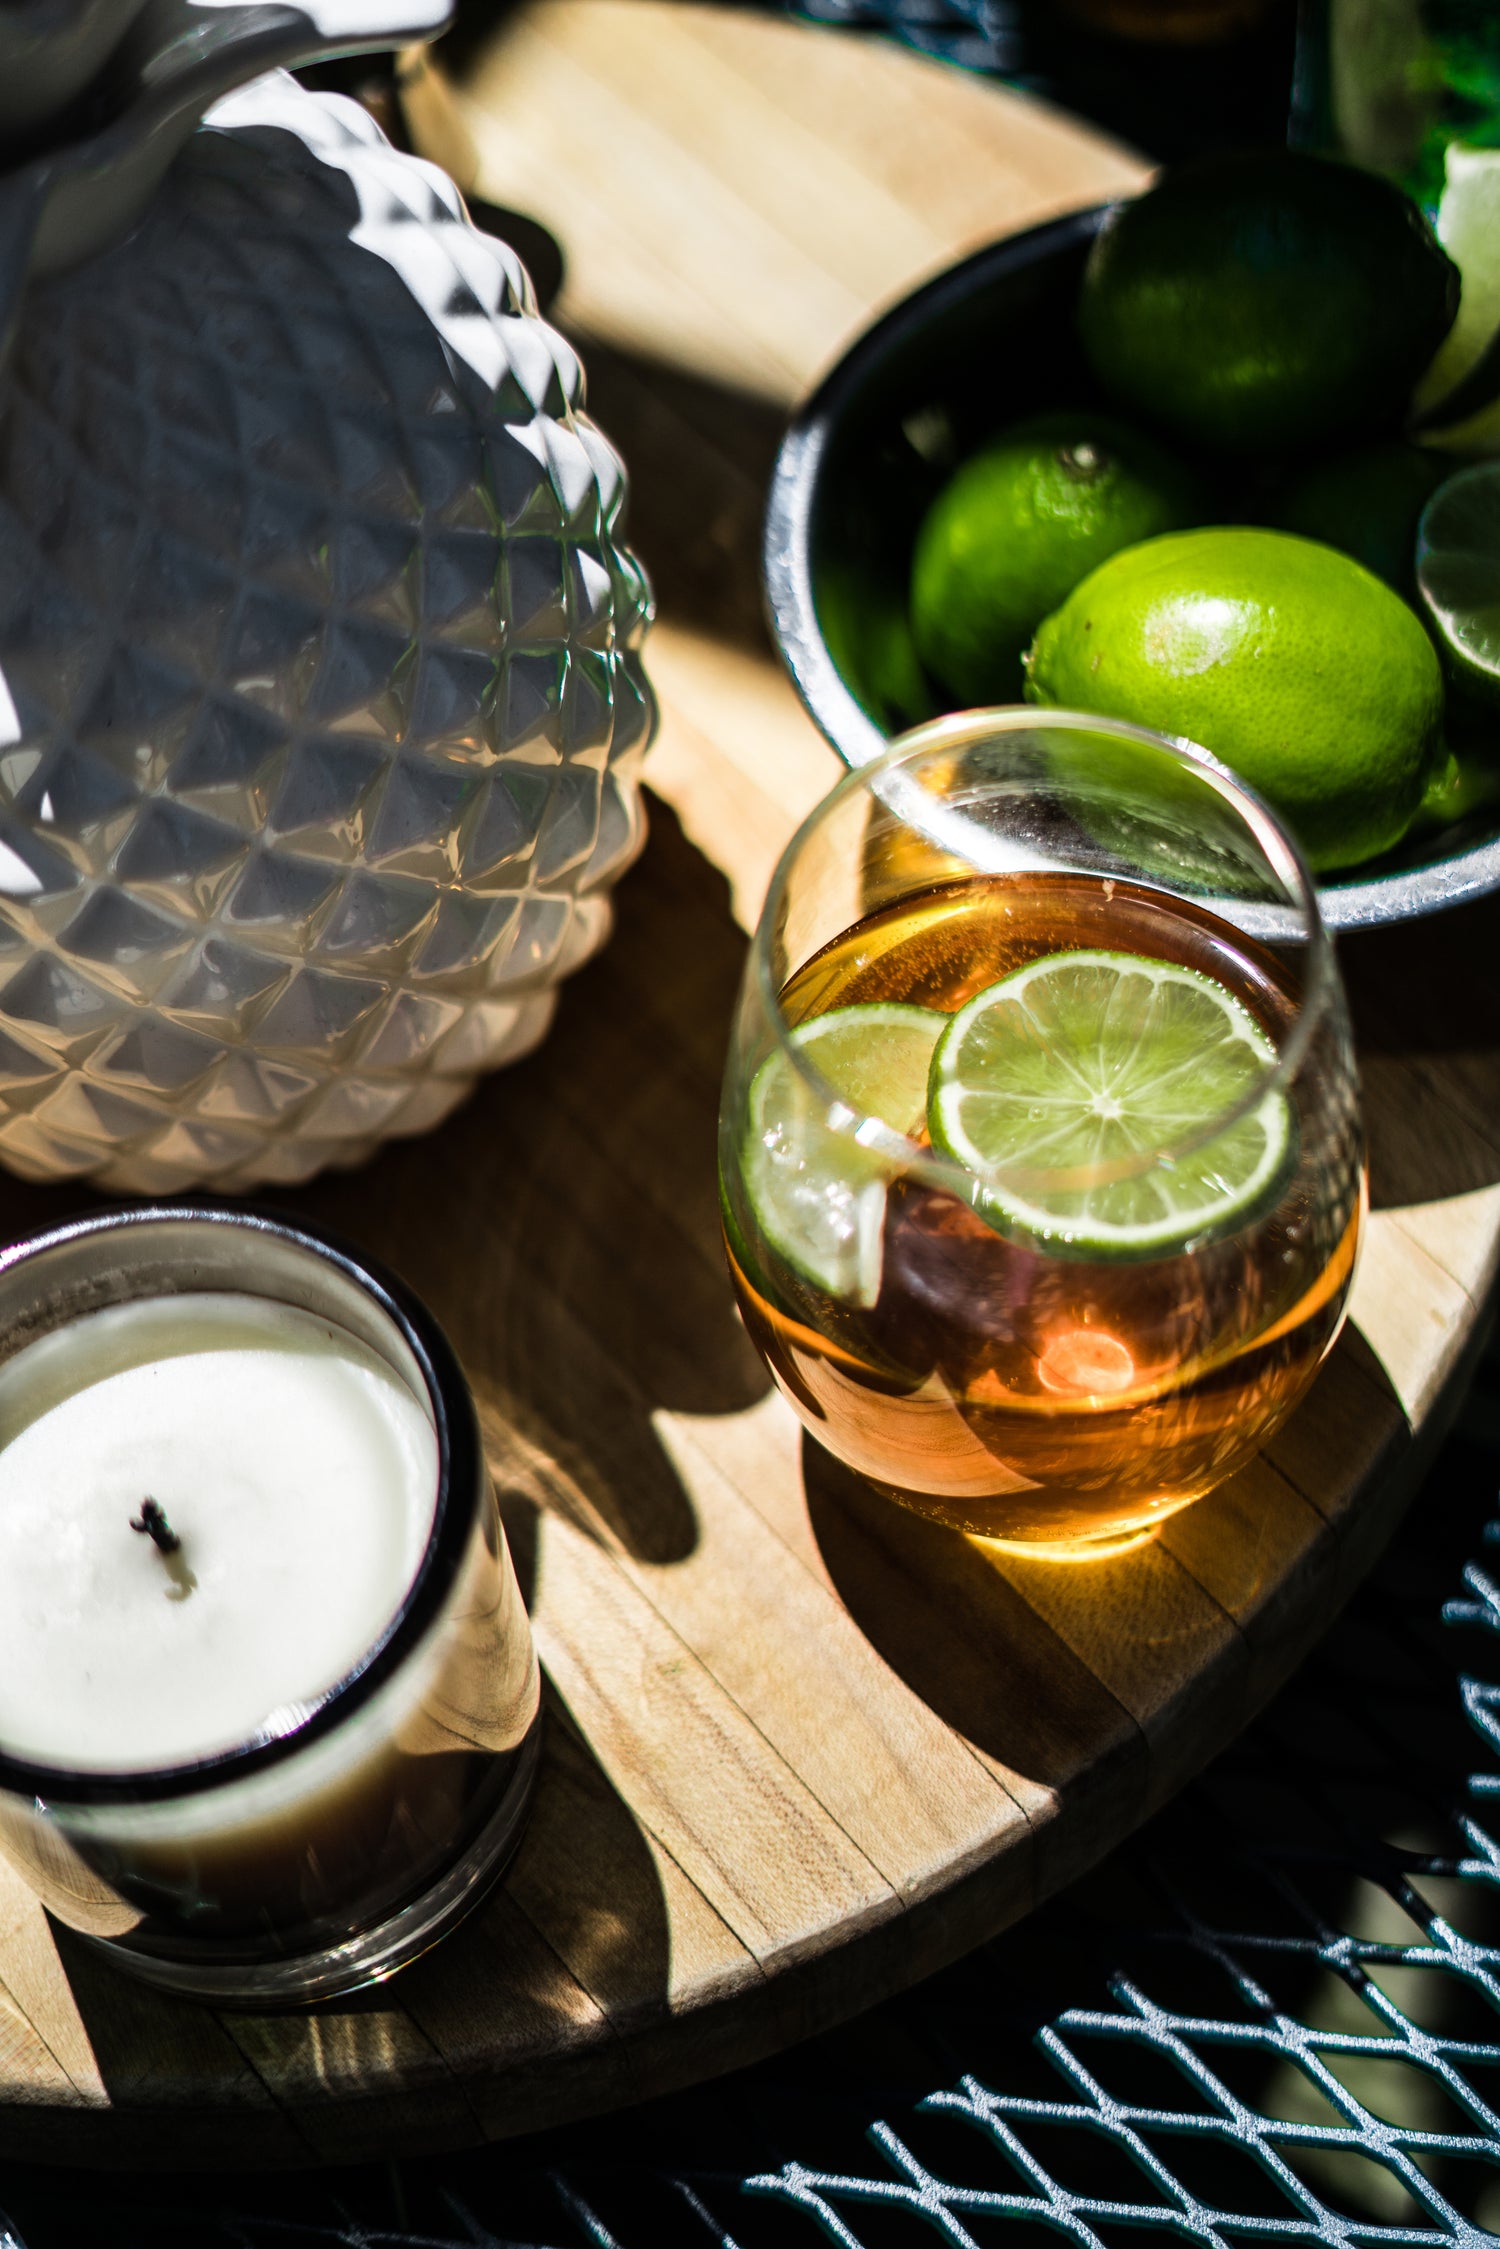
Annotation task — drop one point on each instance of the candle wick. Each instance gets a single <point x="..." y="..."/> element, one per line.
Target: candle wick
<point x="153" y="1523"/>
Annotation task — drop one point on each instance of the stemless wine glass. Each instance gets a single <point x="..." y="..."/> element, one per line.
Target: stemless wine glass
<point x="1040" y="1154"/>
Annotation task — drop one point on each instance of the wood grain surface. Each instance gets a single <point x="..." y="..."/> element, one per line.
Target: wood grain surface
<point x="802" y="1747"/>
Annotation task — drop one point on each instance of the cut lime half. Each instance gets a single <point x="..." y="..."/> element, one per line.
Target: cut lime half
<point x="1059" y="1087"/>
<point x="818" y="1194"/>
<point x="1458" y="389"/>
<point x="1458" y="571"/>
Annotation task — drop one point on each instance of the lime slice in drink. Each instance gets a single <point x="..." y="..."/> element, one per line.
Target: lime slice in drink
<point x="1057" y="1087"/>
<point x="818" y="1195"/>
<point x="1458" y="571"/>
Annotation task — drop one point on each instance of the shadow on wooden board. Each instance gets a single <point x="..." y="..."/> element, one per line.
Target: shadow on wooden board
<point x="964" y="1640"/>
<point x="469" y="2043"/>
<point x="564" y="1228"/>
<point x="1426" y="1010"/>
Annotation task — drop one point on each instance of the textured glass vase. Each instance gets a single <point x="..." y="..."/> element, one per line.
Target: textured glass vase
<point x="321" y="705"/>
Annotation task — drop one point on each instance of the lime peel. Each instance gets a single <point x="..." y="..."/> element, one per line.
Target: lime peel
<point x="1468" y="226"/>
<point x="1059" y="1087"/>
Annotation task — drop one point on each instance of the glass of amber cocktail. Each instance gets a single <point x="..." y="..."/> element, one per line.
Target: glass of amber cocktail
<point x="1040" y="1152"/>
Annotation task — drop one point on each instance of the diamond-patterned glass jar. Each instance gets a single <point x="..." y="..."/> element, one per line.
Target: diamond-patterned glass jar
<point x="321" y="706"/>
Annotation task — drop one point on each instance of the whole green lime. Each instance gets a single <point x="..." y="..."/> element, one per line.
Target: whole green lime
<point x="1284" y="658"/>
<point x="1016" y="527"/>
<point x="1266" y="302"/>
<point x="1367" y="504"/>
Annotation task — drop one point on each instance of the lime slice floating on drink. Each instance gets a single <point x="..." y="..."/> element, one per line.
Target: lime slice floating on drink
<point x="1059" y="1086"/>
<point x="818" y="1194"/>
<point x="1458" y="571"/>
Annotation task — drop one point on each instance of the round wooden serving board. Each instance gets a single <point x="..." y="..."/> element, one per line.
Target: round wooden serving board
<point x="802" y="1747"/>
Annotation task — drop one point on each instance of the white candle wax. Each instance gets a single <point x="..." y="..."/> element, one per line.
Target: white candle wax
<point x="299" y="1473"/>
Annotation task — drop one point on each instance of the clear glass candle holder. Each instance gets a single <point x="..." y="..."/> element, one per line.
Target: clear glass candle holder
<point x="1052" y="1289"/>
<point x="351" y="1827"/>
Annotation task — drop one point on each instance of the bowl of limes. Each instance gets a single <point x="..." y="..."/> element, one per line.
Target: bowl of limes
<point x="1214" y="460"/>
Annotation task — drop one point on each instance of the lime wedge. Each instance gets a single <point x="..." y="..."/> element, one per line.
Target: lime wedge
<point x="1458" y="571"/>
<point x="818" y="1195"/>
<point x="1468" y="226"/>
<point x="1057" y="1086"/>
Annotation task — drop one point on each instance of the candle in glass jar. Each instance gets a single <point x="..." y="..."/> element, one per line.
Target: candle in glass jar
<point x="269" y="1703"/>
<point x="210" y="1509"/>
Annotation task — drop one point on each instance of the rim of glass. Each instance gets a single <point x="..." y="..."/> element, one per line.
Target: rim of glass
<point x="1320" y="984"/>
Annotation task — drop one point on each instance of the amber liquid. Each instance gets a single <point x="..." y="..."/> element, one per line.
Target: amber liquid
<point x="1034" y="1396"/>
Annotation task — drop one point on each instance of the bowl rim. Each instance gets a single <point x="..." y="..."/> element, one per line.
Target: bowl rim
<point x="1361" y="902"/>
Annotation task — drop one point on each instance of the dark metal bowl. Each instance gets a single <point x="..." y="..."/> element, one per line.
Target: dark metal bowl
<point x="987" y="341"/>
